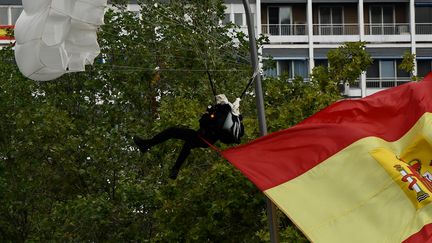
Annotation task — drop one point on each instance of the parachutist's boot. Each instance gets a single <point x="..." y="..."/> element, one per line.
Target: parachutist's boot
<point x="143" y="145"/>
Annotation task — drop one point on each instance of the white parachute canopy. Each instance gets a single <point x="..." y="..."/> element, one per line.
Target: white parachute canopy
<point x="54" y="37"/>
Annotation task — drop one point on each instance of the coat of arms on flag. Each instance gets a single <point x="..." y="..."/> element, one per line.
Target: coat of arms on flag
<point x="411" y="170"/>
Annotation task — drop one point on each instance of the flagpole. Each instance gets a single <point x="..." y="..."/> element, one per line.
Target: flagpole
<point x="271" y="209"/>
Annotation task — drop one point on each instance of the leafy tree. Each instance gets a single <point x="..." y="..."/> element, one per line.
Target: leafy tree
<point x="346" y="63"/>
<point x="408" y="64"/>
<point x="68" y="169"/>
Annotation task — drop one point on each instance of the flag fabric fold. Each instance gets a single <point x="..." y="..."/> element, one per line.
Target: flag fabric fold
<point x="357" y="171"/>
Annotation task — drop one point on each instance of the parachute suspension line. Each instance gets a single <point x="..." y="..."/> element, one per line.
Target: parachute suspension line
<point x="211" y="82"/>
<point x="251" y="80"/>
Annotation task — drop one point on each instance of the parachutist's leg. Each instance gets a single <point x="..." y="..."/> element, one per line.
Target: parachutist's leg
<point x="142" y="144"/>
<point x="184" y="153"/>
<point x="185" y="134"/>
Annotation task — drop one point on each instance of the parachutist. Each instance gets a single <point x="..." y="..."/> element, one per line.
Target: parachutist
<point x="221" y="122"/>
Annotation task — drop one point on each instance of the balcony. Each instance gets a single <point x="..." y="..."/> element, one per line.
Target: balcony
<point x="387" y="29"/>
<point x="392" y="32"/>
<point x="424" y="29"/>
<point x="423" y="32"/>
<point x="278" y="33"/>
<point x="335" y="33"/>
<point x="284" y="29"/>
<point x="374" y="85"/>
<point x="335" y="29"/>
<point x="380" y="83"/>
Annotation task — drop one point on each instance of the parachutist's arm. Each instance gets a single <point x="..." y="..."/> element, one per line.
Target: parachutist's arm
<point x="236" y="107"/>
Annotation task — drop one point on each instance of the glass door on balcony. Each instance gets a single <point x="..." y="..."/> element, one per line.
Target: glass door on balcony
<point x="423" y="20"/>
<point x="330" y="21"/>
<point x="382" y="20"/>
<point x="280" y="19"/>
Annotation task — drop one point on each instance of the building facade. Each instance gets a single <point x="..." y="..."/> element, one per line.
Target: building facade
<point x="301" y="32"/>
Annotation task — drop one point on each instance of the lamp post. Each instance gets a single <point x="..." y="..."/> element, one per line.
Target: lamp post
<point x="271" y="209"/>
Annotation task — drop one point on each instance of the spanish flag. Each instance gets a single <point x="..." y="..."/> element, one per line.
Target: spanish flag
<point x="3" y="32"/>
<point x="357" y="171"/>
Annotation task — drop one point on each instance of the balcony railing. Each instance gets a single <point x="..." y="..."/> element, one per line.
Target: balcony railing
<point x="424" y="29"/>
<point x="385" y="82"/>
<point x="330" y="29"/>
<point x="4" y="29"/>
<point x="387" y="29"/>
<point x="335" y="29"/>
<point x="284" y="29"/>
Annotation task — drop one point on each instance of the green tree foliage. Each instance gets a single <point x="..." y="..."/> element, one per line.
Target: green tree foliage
<point x="346" y="63"/>
<point x="69" y="171"/>
<point x="408" y="64"/>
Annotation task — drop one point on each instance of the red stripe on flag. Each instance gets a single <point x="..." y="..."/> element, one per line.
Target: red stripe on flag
<point x="279" y="157"/>
<point x="423" y="236"/>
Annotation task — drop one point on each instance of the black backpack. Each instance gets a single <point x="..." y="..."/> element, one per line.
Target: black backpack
<point x="219" y="121"/>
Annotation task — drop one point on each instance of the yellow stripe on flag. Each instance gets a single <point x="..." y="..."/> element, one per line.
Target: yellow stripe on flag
<point x="3" y="32"/>
<point x="338" y="199"/>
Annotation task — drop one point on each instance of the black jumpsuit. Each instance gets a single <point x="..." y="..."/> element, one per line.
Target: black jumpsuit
<point x="211" y="124"/>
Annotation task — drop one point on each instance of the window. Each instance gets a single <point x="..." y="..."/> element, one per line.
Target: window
<point x="321" y="62"/>
<point x="385" y="73"/>
<point x="387" y="69"/>
<point x="423" y="16"/>
<point x="373" y="70"/>
<point x="280" y="19"/>
<point x="293" y="68"/>
<point x="401" y="73"/>
<point x="284" y="67"/>
<point x="382" y="19"/>
<point x="227" y="19"/>
<point x="4" y="16"/>
<point x="238" y="19"/>
<point x="300" y="69"/>
<point x="270" y="72"/>
<point x="423" y="67"/>
<point x="331" y="20"/>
